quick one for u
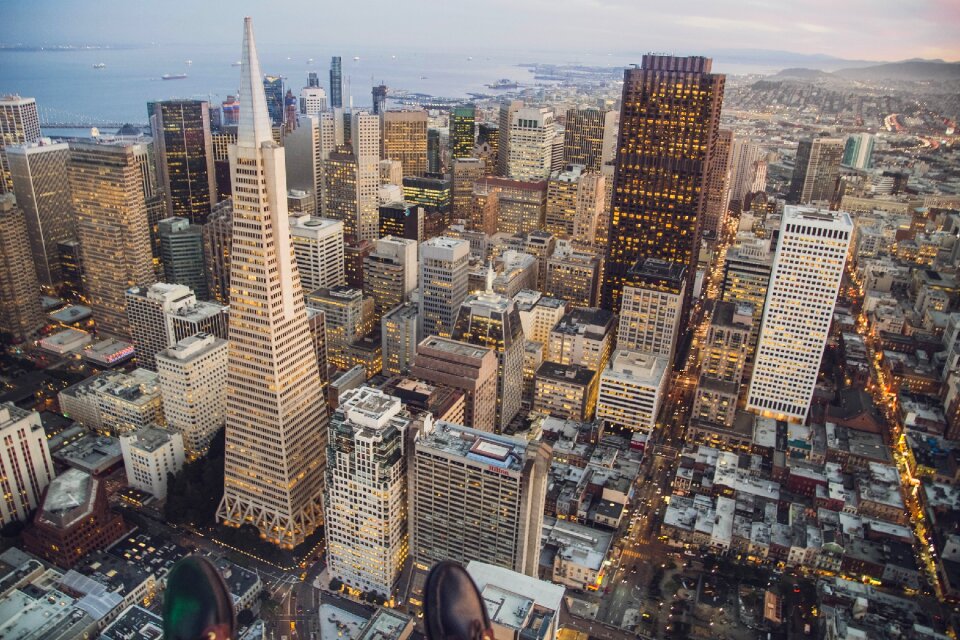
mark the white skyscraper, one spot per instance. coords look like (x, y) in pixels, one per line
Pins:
(652, 308)
(313, 100)
(318, 249)
(366, 494)
(631, 390)
(444, 277)
(807, 270)
(365, 136)
(193, 384)
(276, 417)
(748, 162)
(398, 330)
(19, 124)
(147, 309)
(27, 467)
(149, 455)
(531, 135)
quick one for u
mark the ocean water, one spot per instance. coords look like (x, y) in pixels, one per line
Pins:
(69, 89)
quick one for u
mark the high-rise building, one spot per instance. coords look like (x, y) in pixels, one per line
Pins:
(652, 307)
(147, 309)
(521, 204)
(573, 275)
(746, 277)
(404, 138)
(669, 119)
(336, 83)
(193, 383)
(184, 154)
(318, 250)
(488, 144)
(489, 319)
(341, 193)
(465, 172)
(583, 336)
(365, 136)
(150, 456)
(26, 462)
(195, 317)
(181, 253)
(632, 388)
(748, 171)
(816, 170)
(276, 417)
(718, 182)
(37, 170)
(379, 99)
(505, 119)
(724, 354)
(807, 270)
(313, 100)
(857, 151)
(590, 137)
(20, 311)
(217, 241)
(366, 491)
(402, 220)
(348, 318)
(433, 193)
(305, 156)
(19, 124)
(390, 273)
(495, 485)
(110, 200)
(539, 314)
(444, 273)
(462, 131)
(434, 151)
(399, 336)
(565, 391)
(561, 211)
(71, 268)
(470, 368)
(530, 154)
(273, 90)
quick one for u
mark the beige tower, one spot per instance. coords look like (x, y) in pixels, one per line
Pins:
(276, 420)
(404, 138)
(20, 313)
(108, 190)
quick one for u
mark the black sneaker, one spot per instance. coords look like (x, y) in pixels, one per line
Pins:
(452, 605)
(196, 603)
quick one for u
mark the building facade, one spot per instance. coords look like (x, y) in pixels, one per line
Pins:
(26, 461)
(20, 311)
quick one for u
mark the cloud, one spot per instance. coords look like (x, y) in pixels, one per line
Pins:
(727, 24)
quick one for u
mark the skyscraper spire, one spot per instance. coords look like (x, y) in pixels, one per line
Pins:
(255, 127)
(276, 419)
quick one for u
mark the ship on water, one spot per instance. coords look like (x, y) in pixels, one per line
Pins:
(503, 83)
(100, 65)
(173, 76)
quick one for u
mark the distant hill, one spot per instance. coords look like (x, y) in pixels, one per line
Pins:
(906, 70)
(803, 74)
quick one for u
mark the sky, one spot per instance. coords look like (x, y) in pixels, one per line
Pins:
(882, 30)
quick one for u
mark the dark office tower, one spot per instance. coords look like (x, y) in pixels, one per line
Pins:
(433, 151)
(184, 152)
(488, 133)
(313, 80)
(336, 83)
(379, 94)
(401, 220)
(273, 87)
(181, 252)
(815, 170)
(669, 121)
(71, 268)
(462, 122)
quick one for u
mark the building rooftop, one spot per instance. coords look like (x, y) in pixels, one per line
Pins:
(592, 322)
(92, 453)
(477, 446)
(454, 347)
(637, 367)
(148, 439)
(192, 347)
(70, 497)
(578, 543)
(36, 613)
(543, 593)
(199, 311)
(135, 623)
(386, 624)
(571, 373)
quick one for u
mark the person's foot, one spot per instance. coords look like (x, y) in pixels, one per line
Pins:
(196, 603)
(453, 607)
